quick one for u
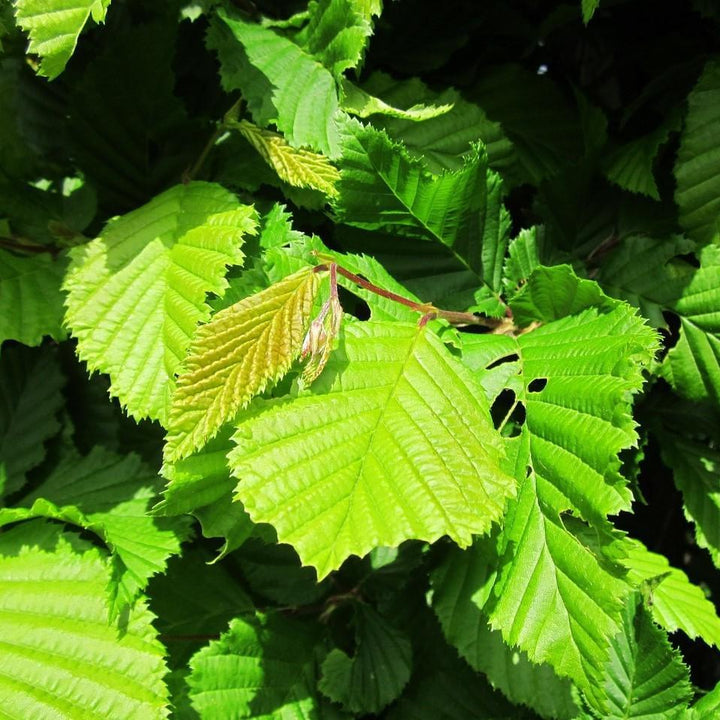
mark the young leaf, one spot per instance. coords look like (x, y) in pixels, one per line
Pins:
(381, 186)
(147, 276)
(235, 356)
(30, 297)
(376, 674)
(262, 667)
(676, 604)
(299, 168)
(30, 398)
(61, 657)
(54, 27)
(698, 184)
(394, 443)
(280, 82)
(707, 707)
(645, 676)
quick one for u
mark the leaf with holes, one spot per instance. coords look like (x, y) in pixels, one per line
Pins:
(394, 442)
(146, 277)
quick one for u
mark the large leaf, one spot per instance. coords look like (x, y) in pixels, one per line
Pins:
(30, 398)
(31, 304)
(394, 443)
(645, 676)
(376, 674)
(381, 186)
(281, 83)
(555, 597)
(60, 656)
(696, 170)
(109, 495)
(242, 350)
(147, 276)
(676, 603)
(261, 668)
(54, 27)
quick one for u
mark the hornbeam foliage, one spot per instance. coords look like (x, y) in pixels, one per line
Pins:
(359, 360)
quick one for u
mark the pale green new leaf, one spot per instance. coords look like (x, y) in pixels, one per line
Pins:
(299, 168)
(395, 442)
(31, 304)
(645, 676)
(696, 471)
(281, 83)
(235, 356)
(137, 292)
(696, 169)
(60, 657)
(381, 186)
(378, 670)
(108, 495)
(30, 398)
(461, 586)
(675, 603)
(261, 668)
(54, 27)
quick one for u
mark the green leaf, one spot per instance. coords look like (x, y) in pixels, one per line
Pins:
(31, 304)
(695, 467)
(147, 275)
(280, 82)
(555, 597)
(588, 9)
(299, 168)
(707, 707)
(394, 443)
(109, 495)
(461, 586)
(675, 603)
(261, 668)
(54, 27)
(441, 138)
(698, 183)
(61, 657)
(337, 33)
(381, 186)
(30, 398)
(235, 356)
(377, 672)
(645, 676)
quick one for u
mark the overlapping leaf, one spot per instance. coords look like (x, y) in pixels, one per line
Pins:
(555, 597)
(109, 495)
(54, 27)
(395, 442)
(645, 676)
(261, 668)
(698, 183)
(30, 398)
(146, 278)
(381, 186)
(60, 656)
(676, 603)
(235, 356)
(281, 83)
(31, 304)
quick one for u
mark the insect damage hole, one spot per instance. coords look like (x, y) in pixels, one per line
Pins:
(508, 414)
(537, 385)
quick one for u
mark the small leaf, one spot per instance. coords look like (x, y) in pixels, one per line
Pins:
(235, 356)
(299, 168)
(395, 442)
(54, 27)
(376, 673)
